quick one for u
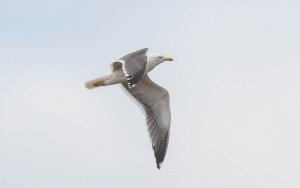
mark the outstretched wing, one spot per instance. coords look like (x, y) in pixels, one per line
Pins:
(133, 66)
(154, 100)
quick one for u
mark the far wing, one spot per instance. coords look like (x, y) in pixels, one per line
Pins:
(133, 66)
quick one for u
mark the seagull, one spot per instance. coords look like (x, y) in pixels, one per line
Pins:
(130, 72)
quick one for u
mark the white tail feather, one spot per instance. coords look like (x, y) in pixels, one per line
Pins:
(96, 82)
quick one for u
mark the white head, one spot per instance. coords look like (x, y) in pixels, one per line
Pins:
(155, 59)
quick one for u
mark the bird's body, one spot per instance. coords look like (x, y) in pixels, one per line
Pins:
(130, 72)
(117, 76)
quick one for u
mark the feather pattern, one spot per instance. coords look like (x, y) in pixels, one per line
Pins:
(154, 101)
(134, 66)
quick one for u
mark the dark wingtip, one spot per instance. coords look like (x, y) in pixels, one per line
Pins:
(158, 166)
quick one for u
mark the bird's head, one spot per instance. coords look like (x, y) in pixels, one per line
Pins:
(156, 59)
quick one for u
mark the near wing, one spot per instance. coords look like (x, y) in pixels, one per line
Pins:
(154, 101)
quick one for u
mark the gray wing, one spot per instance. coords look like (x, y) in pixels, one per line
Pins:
(134, 66)
(154, 100)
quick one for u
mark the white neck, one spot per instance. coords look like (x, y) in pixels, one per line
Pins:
(152, 62)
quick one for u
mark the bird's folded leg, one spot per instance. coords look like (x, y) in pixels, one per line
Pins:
(95, 83)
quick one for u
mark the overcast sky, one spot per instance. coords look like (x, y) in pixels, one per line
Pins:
(234, 89)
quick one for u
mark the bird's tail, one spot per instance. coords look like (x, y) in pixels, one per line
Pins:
(96, 82)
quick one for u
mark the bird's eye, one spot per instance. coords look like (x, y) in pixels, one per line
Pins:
(160, 57)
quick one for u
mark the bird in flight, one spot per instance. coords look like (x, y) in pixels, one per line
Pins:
(130, 72)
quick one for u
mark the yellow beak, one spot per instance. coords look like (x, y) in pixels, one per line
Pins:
(168, 59)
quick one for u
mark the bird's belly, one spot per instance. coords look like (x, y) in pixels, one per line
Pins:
(116, 77)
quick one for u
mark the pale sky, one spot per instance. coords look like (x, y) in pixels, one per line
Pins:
(234, 89)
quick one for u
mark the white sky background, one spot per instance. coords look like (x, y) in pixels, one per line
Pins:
(234, 88)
